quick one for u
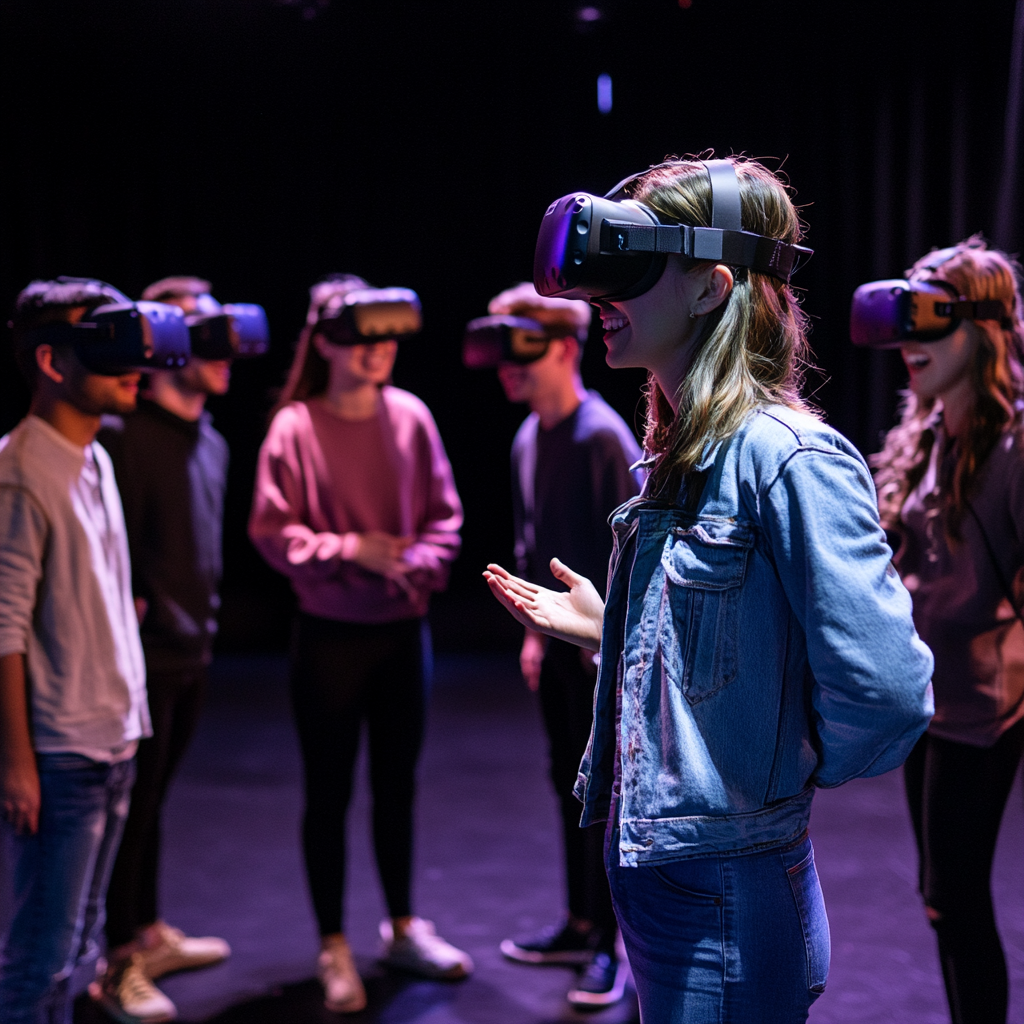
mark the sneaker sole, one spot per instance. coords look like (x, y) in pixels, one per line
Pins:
(574, 958)
(119, 1013)
(456, 973)
(578, 997)
(348, 1006)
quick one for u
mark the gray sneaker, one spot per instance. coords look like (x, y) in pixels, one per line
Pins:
(422, 951)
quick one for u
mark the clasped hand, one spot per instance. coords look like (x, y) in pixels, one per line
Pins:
(575, 615)
(382, 553)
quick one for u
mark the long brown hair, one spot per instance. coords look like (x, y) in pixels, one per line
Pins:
(309, 374)
(754, 346)
(976, 272)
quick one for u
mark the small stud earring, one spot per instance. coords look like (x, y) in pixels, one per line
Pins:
(693, 316)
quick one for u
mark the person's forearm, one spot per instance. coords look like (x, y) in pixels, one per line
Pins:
(15, 735)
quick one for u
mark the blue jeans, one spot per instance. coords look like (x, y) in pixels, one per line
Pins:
(727, 939)
(60, 880)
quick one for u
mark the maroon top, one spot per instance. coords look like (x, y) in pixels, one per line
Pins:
(961, 608)
(321, 481)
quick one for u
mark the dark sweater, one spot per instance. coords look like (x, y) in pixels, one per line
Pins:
(172, 475)
(581, 476)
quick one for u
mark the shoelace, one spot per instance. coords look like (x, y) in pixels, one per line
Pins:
(134, 983)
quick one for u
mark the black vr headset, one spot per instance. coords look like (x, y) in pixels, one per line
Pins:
(236, 331)
(616, 248)
(885, 314)
(491, 340)
(368, 315)
(117, 338)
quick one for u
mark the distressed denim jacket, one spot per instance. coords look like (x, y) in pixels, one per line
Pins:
(757, 643)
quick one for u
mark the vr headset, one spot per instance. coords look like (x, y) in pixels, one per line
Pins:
(236, 331)
(885, 314)
(368, 315)
(591, 247)
(491, 340)
(120, 337)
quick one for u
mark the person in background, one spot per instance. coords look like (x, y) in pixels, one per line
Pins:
(72, 675)
(356, 504)
(171, 467)
(950, 481)
(571, 462)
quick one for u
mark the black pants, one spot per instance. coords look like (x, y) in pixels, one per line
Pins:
(342, 675)
(957, 794)
(175, 700)
(567, 702)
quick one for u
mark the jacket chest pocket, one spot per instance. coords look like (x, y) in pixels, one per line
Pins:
(699, 620)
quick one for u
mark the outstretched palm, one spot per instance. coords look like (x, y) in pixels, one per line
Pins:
(574, 616)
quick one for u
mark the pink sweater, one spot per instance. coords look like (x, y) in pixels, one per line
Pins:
(322, 480)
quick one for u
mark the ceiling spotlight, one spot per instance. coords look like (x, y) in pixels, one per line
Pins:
(589, 14)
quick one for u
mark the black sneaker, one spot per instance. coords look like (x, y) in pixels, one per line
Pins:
(554, 945)
(602, 983)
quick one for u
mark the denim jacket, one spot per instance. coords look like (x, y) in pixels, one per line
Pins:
(757, 643)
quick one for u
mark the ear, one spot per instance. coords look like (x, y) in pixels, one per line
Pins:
(321, 344)
(570, 348)
(46, 363)
(717, 286)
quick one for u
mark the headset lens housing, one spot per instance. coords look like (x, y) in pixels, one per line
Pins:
(492, 340)
(373, 314)
(121, 337)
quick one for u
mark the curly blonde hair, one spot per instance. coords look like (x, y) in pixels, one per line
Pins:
(754, 347)
(977, 273)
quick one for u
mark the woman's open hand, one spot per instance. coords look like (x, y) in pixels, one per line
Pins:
(575, 616)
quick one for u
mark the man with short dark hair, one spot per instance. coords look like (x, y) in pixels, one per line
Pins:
(570, 468)
(171, 467)
(72, 677)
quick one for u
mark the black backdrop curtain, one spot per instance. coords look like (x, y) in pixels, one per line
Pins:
(263, 144)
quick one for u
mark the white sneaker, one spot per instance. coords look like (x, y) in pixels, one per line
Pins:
(177, 951)
(422, 951)
(127, 994)
(343, 988)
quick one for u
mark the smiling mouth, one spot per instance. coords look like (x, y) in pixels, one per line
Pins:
(612, 324)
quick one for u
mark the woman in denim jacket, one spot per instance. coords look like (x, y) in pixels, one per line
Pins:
(756, 641)
(951, 484)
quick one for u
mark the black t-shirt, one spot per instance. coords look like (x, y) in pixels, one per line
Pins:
(580, 476)
(172, 475)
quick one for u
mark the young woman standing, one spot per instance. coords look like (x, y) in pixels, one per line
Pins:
(951, 484)
(356, 504)
(755, 642)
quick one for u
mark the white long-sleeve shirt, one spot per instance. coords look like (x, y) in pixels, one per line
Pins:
(65, 594)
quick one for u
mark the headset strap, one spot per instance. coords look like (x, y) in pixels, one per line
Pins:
(725, 240)
(764, 255)
(725, 195)
(982, 309)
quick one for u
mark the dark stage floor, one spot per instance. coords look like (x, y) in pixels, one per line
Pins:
(488, 868)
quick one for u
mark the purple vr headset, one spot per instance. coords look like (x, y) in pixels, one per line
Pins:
(885, 314)
(117, 338)
(236, 331)
(367, 315)
(614, 247)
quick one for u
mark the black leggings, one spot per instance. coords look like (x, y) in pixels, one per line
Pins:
(957, 794)
(567, 701)
(342, 674)
(175, 700)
